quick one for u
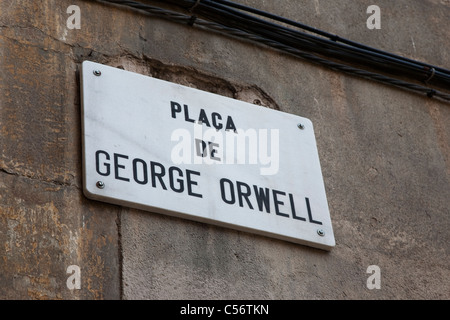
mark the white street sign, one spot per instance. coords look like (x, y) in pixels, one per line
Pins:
(171, 149)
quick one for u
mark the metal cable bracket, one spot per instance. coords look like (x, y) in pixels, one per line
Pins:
(433, 72)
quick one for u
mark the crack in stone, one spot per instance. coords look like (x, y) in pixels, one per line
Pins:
(50, 181)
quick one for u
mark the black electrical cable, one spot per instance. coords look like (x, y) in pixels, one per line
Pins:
(346, 51)
(268, 39)
(217, 12)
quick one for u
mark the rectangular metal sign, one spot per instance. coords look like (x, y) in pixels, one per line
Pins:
(167, 148)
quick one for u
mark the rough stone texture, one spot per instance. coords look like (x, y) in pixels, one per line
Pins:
(46, 224)
(384, 153)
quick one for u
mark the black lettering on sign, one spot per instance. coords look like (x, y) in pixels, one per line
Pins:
(200, 147)
(105, 165)
(262, 198)
(214, 118)
(230, 191)
(294, 215)
(230, 125)
(243, 194)
(144, 175)
(308, 207)
(180, 187)
(225, 199)
(277, 202)
(186, 114)
(203, 119)
(160, 176)
(162, 172)
(191, 182)
(175, 108)
(118, 166)
(212, 150)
